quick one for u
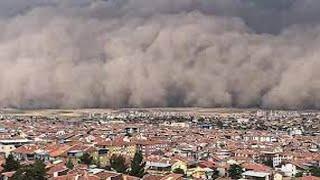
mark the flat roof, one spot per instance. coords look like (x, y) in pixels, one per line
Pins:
(255, 174)
(158, 164)
(15, 141)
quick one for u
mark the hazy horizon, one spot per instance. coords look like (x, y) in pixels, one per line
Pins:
(160, 53)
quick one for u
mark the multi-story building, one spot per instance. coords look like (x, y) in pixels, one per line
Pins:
(8, 145)
(150, 146)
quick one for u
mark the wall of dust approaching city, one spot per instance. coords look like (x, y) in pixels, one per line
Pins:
(159, 53)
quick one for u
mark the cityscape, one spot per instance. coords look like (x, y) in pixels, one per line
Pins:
(174, 143)
(159, 89)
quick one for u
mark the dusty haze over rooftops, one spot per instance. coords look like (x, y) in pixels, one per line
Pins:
(147, 53)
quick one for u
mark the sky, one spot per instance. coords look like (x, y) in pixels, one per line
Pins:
(160, 53)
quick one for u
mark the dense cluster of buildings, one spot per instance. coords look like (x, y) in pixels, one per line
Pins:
(265, 144)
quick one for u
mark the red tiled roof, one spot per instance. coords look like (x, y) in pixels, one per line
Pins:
(256, 167)
(127, 177)
(309, 178)
(105, 175)
(26, 149)
(8, 174)
(57, 168)
(57, 150)
(172, 177)
(152, 177)
(207, 164)
(66, 177)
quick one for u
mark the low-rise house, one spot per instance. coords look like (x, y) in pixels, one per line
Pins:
(256, 175)
(200, 173)
(7, 175)
(158, 167)
(256, 167)
(309, 178)
(57, 150)
(152, 177)
(77, 150)
(178, 164)
(56, 170)
(277, 176)
(173, 177)
(25, 152)
(108, 175)
(289, 169)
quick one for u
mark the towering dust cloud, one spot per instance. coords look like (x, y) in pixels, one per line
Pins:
(146, 53)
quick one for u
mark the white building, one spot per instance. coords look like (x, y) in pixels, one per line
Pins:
(289, 169)
(256, 175)
(8, 145)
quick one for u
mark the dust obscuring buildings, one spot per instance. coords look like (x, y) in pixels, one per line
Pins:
(143, 53)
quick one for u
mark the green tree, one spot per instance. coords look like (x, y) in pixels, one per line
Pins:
(268, 162)
(178, 171)
(215, 174)
(220, 124)
(137, 165)
(11, 164)
(201, 120)
(36, 171)
(299, 174)
(86, 159)
(118, 163)
(212, 174)
(235, 171)
(20, 174)
(315, 171)
(69, 164)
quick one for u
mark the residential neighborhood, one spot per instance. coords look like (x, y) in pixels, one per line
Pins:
(162, 145)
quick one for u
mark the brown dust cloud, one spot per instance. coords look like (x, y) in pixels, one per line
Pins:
(160, 53)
